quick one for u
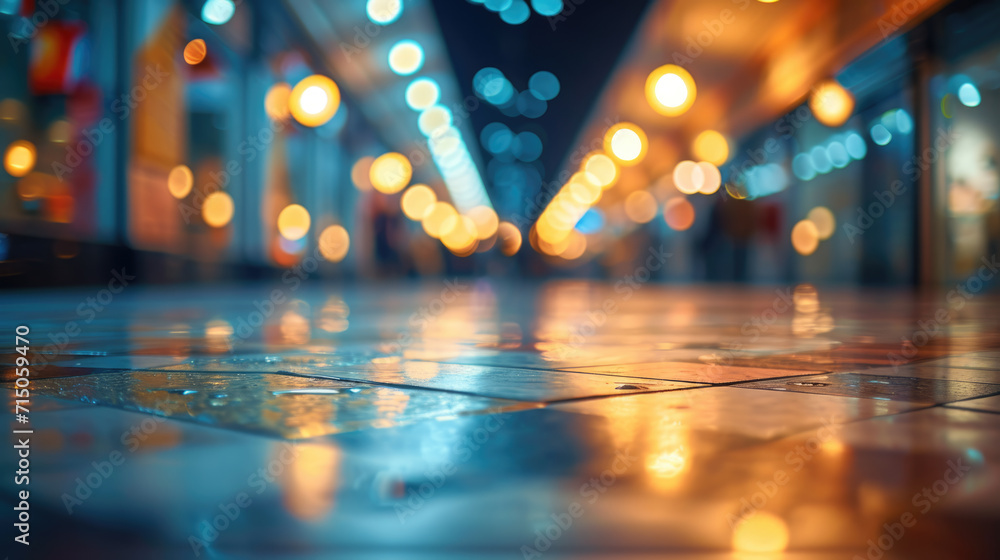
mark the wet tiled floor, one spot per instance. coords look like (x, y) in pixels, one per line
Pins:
(475, 419)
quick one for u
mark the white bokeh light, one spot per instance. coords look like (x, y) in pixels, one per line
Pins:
(314, 100)
(626, 144)
(384, 12)
(671, 90)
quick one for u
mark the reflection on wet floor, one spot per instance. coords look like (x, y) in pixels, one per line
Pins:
(497, 421)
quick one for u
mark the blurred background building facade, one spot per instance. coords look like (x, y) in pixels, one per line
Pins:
(847, 142)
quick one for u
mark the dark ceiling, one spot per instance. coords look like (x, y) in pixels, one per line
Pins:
(580, 46)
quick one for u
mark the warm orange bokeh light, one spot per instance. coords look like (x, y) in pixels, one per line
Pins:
(334, 243)
(711, 178)
(436, 217)
(458, 233)
(314, 100)
(20, 158)
(195, 51)
(35, 185)
(626, 143)
(180, 181)
(601, 167)
(417, 201)
(640, 207)
(678, 213)
(294, 222)
(760, 533)
(805, 237)
(831, 103)
(824, 221)
(688, 177)
(510, 238)
(712, 147)
(276, 101)
(312, 479)
(390, 173)
(583, 188)
(218, 209)
(670, 90)
(359, 173)
(575, 247)
(485, 220)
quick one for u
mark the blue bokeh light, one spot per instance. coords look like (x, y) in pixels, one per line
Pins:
(530, 106)
(969, 95)
(820, 160)
(880, 135)
(496, 138)
(490, 84)
(591, 222)
(544, 85)
(838, 155)
(497, 5)
(547, 7)
(856, 147)
(802, 167)
(218, 12)
(904, 123)
(527, 146)
(516, 14)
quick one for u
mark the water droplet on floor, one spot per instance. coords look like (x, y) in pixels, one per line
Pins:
(629, 387)
(182, 391)
(306, 392)
(807, 384)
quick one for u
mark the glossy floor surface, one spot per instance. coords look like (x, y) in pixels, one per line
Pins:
(470, 419)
